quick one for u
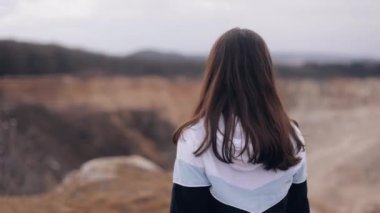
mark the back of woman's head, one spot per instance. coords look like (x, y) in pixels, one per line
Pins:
(239, 85)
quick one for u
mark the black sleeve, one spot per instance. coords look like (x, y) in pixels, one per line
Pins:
(297, 198)
(190, 199)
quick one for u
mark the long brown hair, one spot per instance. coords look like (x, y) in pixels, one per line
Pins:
(239, 85)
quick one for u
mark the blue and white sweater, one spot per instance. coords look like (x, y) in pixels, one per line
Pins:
(205, 184)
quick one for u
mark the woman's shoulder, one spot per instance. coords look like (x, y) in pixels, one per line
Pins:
(194, 131)
(192, 136)
(188, 142)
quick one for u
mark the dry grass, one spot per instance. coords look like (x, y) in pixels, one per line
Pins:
(174, 98)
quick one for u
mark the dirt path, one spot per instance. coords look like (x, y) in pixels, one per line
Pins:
(343, 153)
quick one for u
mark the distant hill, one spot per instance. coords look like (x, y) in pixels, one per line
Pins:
(153, 55)
(21, 58)
(305, 58)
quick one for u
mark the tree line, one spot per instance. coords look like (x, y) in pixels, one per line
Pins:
(21, 58)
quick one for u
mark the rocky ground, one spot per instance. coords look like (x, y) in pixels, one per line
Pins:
(125, 184)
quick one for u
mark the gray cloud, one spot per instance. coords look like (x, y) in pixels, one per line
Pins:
(122, 26)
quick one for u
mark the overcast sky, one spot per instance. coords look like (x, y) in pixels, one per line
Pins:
(348, 27)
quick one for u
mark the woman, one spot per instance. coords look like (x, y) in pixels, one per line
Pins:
(240, 152)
